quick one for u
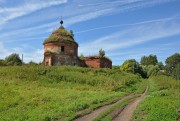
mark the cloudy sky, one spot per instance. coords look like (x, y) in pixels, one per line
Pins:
(125, 29)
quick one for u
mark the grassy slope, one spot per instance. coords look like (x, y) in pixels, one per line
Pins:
(162, 102)
(59, 93)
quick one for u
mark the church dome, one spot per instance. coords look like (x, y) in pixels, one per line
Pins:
(60, 35)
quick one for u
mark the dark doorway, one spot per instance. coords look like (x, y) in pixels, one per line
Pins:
(47, 63)
(62, 48)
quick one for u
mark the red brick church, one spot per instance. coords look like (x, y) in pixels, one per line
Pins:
(60, 48)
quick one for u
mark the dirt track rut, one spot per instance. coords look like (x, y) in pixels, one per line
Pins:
(127, 113)
(95, 113)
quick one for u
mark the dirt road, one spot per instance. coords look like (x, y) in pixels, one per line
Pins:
(95, 113)
(127, 113)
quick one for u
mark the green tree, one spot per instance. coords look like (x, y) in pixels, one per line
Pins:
(176, 72)
(2, 63)
(149, 60)
(160, 65)
(13, 60)
(72, 33)
(32, 63)
(81, 57)
(132, 66)
(101, 53)
(153, 70)
(172, 62)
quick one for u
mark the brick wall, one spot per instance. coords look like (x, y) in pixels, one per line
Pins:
(70, 48)
(96, 62)
(92, 62)
(59, 56)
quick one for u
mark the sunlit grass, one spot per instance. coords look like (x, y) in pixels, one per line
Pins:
(59, 93)
(162, 101)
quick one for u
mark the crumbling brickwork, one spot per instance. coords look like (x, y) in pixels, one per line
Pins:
(60, 53)
(97, 62)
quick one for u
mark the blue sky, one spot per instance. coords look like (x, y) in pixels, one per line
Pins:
(125, 29)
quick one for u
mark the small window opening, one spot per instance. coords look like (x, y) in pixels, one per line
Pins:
(47, 63)
(62, 48)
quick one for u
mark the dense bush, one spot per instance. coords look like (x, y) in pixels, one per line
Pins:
(149, 60)
(132, 66)
(2, 63)
(165, 82)
(13, 60)
(171, 63)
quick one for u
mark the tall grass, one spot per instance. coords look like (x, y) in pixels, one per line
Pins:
(106, 78)
(162, 102)
(59, 93)
(165, 82)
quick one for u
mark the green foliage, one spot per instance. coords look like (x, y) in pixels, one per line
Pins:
(72, 33)
(149, 60)
(151, 70)
(129, 66)
(13, 60)
(171, 63)
(116, 68)
(58, 93)
(101, 53)
(165, 82)
(31, 63)
(2, 63)
(162, 101)
(132, 66)
(81, 57)
(160, 65)
(176, 72)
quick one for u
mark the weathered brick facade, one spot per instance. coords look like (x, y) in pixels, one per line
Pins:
(60, 53)
(97, 62)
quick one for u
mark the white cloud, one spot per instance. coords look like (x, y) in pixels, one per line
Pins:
(36, 56)
(133, 24)
(12, 13)
(87, 16)
(132, 36)
(80, 14)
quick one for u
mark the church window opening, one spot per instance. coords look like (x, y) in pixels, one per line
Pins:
(62, 48)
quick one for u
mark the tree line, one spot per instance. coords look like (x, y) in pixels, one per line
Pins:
(149, 66)
(15, 60)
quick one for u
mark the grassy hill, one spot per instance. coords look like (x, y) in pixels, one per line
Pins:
(59, 93)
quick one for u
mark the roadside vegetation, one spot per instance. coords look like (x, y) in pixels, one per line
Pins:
(114, 110)
(162, 102)
(59, 93)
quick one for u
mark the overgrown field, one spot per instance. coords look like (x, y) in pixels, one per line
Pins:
(59, 93)
(162, 102)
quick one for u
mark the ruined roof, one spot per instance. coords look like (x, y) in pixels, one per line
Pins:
(60, 35)
(97, 57)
